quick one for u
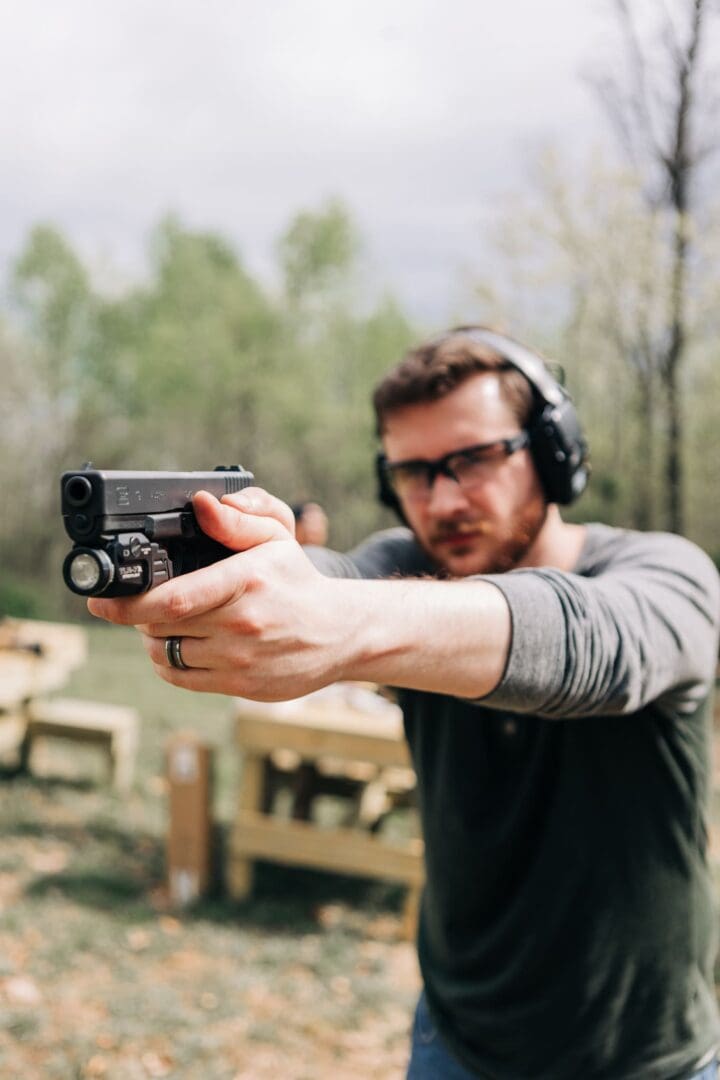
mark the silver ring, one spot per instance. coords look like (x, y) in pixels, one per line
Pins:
(173, 654)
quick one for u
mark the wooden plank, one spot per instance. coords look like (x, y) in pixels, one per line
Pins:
(65, 642)
(12, 732)
(240, 870)
(189, 772)
(411, 913)
(24, 673)
(330, 711)
(115, 727)
(73, 714)
(340, 850)
(262, 735)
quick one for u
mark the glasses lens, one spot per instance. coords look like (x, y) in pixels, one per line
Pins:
(473, 466)
(410, 480)
(476, 464)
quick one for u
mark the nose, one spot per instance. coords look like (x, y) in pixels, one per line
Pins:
(446, 497)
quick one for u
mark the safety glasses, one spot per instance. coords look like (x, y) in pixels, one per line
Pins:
(473, 465)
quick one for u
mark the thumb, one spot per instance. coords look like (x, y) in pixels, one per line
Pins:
(255, 500)
(234, 528)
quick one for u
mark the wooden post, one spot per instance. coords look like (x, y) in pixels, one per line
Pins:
(252, 791)
(189, 841)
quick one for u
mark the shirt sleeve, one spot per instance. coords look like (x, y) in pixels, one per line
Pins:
(642, 628)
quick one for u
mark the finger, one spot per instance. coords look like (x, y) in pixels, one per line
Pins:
(179, 601)
(193, 679)
(193, 652)
(256, 500)
(236, 529)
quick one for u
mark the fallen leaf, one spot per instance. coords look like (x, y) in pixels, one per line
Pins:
(169, 925)
(96, 1066)
(22, 990)
(49, 862)
(155, 1065)
(138, 939)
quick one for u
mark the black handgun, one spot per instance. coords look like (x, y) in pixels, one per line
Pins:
(134, 530)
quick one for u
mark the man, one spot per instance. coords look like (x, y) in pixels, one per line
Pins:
(555, 682)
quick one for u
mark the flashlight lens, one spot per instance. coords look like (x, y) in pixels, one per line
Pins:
(85, 572)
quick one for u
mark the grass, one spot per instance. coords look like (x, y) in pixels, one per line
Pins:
(99, 978)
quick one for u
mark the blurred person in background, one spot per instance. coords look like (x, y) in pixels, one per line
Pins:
(311, 523)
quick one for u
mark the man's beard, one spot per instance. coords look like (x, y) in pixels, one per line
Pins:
(498, 552)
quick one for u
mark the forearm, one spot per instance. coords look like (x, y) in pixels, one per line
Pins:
(267, 625)
(439, 636)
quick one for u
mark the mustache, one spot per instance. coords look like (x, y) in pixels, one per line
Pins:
(461, 527)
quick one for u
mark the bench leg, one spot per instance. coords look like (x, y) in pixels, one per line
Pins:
(240, 869)
(24, 751)
(122, 758)
(411, 912)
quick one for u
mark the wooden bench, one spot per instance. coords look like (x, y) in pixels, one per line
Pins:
(112, 727)
(36, 658)
(344, 743)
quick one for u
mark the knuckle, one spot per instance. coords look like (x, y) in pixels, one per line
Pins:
(250, 624)
(155, 649)
(177, 606)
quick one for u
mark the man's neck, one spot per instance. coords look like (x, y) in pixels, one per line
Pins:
(558, 543)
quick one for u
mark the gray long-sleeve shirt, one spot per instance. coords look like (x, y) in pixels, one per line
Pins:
(568, 923)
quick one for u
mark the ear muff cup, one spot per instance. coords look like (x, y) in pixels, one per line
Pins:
(560, 452)
(385, 493)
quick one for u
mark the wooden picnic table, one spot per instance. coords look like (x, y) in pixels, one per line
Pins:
(36, 658)
(344, 735)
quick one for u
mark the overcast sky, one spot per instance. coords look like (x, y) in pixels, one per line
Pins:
(418, 113)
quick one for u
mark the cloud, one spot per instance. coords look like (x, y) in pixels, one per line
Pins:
(237, 115)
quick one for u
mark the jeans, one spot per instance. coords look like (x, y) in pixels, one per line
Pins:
(430, 1059)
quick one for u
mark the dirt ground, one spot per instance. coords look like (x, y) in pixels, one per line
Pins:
(99, 977)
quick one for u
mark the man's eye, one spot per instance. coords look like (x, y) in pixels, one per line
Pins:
(410, 474)
(476, 457)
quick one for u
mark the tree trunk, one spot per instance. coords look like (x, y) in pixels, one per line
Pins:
(644, 507)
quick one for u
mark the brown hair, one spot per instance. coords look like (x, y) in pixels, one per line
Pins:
(432, 370)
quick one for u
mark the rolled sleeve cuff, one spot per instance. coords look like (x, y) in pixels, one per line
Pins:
(535, 666)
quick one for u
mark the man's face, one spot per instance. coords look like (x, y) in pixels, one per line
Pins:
(487, 527)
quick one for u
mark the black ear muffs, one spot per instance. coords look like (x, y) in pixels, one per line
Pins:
(560, 452)
(385, 493)
(557, 443)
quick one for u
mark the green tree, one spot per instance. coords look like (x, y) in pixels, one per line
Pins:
(198, 365)
(339, 345)
(581, 265)
(193, 341)
(660, 116)
(317, 252)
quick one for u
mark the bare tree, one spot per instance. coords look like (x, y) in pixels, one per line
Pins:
(657, 111)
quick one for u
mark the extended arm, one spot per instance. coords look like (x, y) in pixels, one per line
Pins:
(266, 624)
(639, 627)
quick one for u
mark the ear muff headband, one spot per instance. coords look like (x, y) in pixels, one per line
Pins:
(557, 443)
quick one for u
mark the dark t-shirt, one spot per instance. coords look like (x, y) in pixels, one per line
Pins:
(568, 922)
